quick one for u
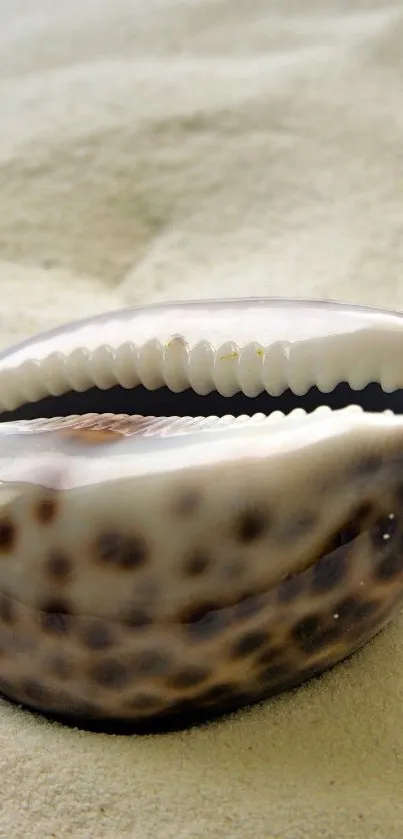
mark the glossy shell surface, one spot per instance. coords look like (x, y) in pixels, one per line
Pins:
(163, 567)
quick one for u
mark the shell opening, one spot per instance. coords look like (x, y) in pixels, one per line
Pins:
(163, 402)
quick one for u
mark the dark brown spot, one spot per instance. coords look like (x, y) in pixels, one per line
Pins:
(383, 531)
(327, 638)
(125, 552)
(249, 643)
(7, 609)
(350, 612)
(34, 691)
(7, 535)
(251, 525)
(188, 677)
(150, 663)
(110, 673)
(46, 510)
(197, 564)
(366, 610)
(188, 502)
(58, 567)
(60, 667)
(270, 656)
(329, 571)
(56, 617)
(204, 620)
(97, 636)
(389, 567)
(137, 618)
(307, 632)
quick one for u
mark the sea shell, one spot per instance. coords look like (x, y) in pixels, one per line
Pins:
(163, 568)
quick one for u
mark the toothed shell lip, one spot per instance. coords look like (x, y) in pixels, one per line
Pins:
(242, 346)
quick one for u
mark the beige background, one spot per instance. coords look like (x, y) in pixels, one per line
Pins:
(161, 149)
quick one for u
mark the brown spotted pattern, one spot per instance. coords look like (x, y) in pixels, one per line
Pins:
(211, 657)
(121, 552)
(46, 509)
(58, 567)
(235, 644)
(7, 535)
